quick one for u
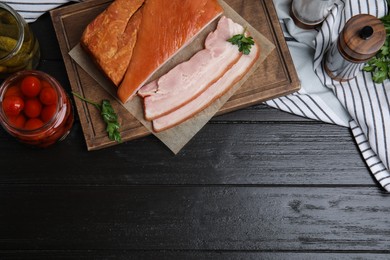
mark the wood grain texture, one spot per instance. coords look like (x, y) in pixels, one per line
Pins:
(275, 77)
(233, 153)
(194, 218)
(188, 255)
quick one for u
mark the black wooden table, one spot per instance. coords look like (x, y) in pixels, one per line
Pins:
(254, 184)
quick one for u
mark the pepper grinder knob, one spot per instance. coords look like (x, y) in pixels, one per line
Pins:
(366, 32)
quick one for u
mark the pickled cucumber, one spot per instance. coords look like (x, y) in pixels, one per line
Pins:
(16, 55)
(8, 30)
(7, 44)
(3, 54)
(6, 17)
(18, 60)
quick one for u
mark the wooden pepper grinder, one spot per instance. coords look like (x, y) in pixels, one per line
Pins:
(362, 37)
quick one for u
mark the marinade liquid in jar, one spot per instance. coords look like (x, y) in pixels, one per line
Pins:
(19, 49)
(35, 109)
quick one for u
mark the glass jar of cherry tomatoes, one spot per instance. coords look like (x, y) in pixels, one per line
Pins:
(35, 109)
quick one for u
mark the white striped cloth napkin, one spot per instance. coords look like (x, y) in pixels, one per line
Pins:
(358, 103)
(30, 10)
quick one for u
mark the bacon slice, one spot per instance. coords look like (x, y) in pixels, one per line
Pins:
(214, 92)
(166, 27)
(111, 37)
(189, 79)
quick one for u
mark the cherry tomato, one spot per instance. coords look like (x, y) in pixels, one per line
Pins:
(45, 84)
(13, 91)
(32, 108)
(30, 86)
(33, 123)
(13, 105)
(18, 121)
(48, 112)
(48, 96)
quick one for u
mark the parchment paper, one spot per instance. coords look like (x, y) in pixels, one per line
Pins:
(177, 137)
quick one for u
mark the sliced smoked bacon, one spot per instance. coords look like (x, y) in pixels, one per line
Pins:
(189, 79)
(166, 27)
(111, 37)
(215, 91)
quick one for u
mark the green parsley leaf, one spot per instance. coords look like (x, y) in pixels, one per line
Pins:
(244, 43)
(379, 65)
(109, 117)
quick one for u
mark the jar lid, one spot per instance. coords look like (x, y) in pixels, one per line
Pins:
(362, 37)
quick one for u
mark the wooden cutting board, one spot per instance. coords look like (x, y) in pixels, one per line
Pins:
(275, 77)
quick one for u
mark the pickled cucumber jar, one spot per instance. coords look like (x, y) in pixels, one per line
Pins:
(19, 49)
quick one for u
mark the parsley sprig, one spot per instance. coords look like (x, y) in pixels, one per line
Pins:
(379, 65)
(244, 43)
(109, 117)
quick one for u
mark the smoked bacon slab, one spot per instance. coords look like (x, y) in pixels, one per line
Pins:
(189, 79)
(111, 37)
(215, 91)
(166, 27)
(192, 85)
